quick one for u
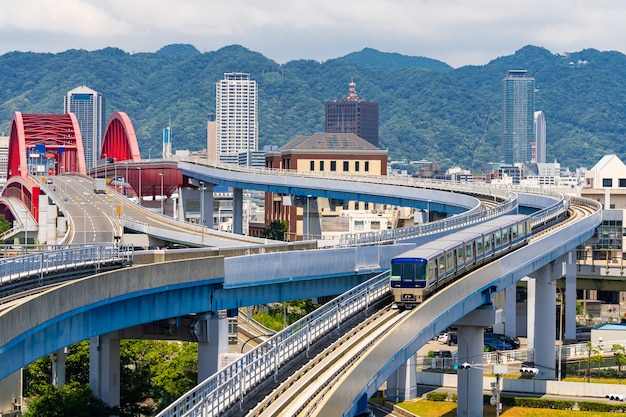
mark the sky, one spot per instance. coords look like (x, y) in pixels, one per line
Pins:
(457, 32)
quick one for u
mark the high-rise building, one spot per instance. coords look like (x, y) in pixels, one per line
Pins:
(236, 118)
(353, 115)
(88, 106)
(540, 137)
(518, 112)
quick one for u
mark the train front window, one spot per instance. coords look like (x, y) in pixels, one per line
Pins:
(407, 273)
(396, 272)
(420, 275)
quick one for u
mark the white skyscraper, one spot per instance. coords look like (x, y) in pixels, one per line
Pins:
(88, 106)
(236, 116)
(540, 137)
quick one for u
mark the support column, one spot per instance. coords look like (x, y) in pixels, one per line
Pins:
(211, 330)
(237, 211)
(402, 384)
(530, 312)
(58, 367)
(570, 297)
(545, 327)
(104, 368)
(470, 335)
(470, 381)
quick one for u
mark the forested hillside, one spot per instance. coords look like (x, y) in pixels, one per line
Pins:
(428, 110)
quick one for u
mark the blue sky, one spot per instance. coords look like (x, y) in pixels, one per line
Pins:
(458, 32)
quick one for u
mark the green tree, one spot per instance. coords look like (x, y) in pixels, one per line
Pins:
(594, 355)
(276, 230)
(619, 352)
(72, 399)
(4, 224)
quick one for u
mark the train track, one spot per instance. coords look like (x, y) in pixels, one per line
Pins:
(298, 395)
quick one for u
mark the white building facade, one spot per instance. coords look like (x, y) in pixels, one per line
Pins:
(88, 106)
(236, 116)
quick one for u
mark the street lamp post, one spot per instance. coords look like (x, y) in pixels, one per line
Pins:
(161, 175)
(139, 194)
(308, 224)
(106, 166)
(26, 227)
(202, 188)
(126, 178)
(84, 222)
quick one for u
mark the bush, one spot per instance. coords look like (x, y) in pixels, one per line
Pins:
(437, 396)
(601, 407)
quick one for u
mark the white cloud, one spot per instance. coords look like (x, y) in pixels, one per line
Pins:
(458, 32)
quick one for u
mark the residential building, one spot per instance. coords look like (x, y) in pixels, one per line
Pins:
(88, 106)
(518, 111)
(236, 118)
(332, 153)
(353, 115)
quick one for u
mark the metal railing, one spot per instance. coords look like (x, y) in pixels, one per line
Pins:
(228, 386)
(38, 265)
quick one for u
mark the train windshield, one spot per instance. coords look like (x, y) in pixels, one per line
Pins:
(408, 273)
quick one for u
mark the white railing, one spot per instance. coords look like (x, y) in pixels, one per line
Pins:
(38, 265)
(229, 386)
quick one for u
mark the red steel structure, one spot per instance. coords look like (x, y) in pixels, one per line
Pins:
(45, 144)
(120, 141)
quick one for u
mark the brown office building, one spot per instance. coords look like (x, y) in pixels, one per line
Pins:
(353, 115)
(341, 153)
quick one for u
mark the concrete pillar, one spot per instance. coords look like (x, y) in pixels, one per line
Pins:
(104, 368)
(211, 331)
(237, 211)
(58, 367)
(470, 334)
(545, 327)
(470, 381)
(530, 312)
(402, 385)
(570, 297)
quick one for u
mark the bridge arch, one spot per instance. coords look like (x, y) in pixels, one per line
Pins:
(120, 141)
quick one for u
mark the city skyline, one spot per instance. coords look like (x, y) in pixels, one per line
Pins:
(456, 32)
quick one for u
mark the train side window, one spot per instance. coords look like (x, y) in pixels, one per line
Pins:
(498, 239)
(505, 236)
(479, 247)
(460, 256)
(432, 270)
(468, 252)
(442, 265)
(514, 232)
(487, 244)
(449, 260)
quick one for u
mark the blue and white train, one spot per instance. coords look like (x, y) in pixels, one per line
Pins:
(423, 270)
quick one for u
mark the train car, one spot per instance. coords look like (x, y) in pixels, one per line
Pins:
(423, 270)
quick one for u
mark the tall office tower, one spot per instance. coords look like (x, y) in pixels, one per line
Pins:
(353, 115)
(540, 137)
(88, 106)
(518, 111)
(236, 108)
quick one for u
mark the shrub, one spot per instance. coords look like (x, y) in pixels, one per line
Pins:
(437, 396)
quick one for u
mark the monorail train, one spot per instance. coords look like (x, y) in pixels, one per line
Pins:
(423, 270)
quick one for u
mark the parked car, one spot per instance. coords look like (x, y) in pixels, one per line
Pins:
(443, 338)
(503, 340)
(583, 333)
(442, 354)
(452, 339)
(492, 345)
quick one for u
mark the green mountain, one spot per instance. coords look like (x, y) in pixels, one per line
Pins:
(428, 110)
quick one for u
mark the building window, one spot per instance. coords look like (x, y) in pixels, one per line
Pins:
(356, 166)
(333, 165)
(622, 182)
(367, 166)
(346, 166)
(321, 165)
(359, 225)
(312, 166)
(375, 225)
(607, 182)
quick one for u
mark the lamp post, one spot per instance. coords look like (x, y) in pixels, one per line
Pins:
(202, 188)
(106, 166)
(115, 172)
(308, 225)
(161, 175)
(84, 221)
(126, 178)
(139, 194)
(26, 227)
